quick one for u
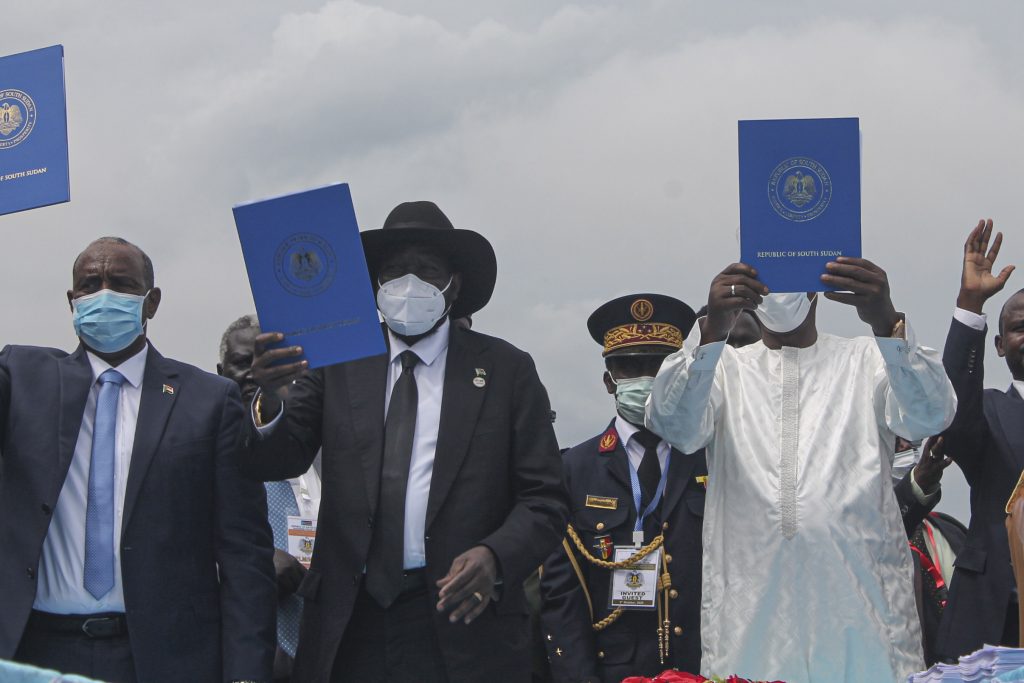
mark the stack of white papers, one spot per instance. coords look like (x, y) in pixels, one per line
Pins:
(990, 663)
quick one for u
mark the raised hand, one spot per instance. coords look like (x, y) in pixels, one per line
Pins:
(273, 380)
(977, 283)
(733, 290)
(928, 471)
(865, 286)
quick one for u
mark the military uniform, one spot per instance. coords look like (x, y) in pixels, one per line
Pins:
(586, 640)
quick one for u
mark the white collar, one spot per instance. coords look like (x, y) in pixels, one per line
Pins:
(132, 369)
(626, 429)
(427, 349)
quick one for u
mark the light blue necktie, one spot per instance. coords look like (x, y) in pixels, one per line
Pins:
(98, 577)
(280, 504)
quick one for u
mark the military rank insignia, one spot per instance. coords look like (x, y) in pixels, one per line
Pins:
(604, 546)
(609, 440)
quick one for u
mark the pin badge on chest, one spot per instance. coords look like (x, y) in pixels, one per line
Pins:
(480, 380)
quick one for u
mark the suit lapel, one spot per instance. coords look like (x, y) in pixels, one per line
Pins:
(615, 458)
(160, 389)
(1010, 428)
(460, 407)
(367, 380)
(75, 382)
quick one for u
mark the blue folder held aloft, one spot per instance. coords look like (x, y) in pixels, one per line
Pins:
(799, 198)
(33, 130)
(308, 274)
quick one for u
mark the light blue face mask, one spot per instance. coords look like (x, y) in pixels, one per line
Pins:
(631, 398)
(108, 321)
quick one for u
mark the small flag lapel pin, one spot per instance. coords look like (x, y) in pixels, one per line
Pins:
(168, 389)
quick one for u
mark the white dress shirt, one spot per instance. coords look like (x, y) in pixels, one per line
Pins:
(61, 564)
(634, 449)
(429, 373)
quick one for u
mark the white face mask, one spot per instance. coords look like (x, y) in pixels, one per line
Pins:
(782, 313)
(903, 462)
(411, 306)
(631, 397)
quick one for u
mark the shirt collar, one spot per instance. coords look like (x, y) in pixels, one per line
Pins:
(132, 369)
(427, 349)
(627, 430)
(1019, 386)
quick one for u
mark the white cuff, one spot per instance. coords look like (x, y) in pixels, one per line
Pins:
(705, 357)
(263, 430)
(971, 319)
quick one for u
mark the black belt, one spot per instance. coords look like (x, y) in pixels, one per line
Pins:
(109, 625)
(413, 580)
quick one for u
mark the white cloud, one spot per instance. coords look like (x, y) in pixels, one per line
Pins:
(593, 143)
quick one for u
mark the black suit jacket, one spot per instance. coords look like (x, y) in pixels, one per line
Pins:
(986, 440)
(496, 481)
(196, 550)
(628, 646)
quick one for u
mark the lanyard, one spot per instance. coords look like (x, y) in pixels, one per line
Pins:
(634, 481)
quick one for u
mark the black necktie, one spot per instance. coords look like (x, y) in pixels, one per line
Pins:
(384, 562)
(649, 471)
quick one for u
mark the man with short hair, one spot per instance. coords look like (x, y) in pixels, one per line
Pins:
(807, 575)
(986, 440)
(441, 477)
(295, 497)
(587, 638)
(133, 549)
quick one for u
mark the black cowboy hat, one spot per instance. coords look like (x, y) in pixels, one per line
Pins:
(468, 252)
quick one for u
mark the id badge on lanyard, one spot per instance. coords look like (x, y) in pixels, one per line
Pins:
(636, 587)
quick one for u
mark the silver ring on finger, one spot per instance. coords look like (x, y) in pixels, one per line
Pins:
(479, 596)
(732, 290)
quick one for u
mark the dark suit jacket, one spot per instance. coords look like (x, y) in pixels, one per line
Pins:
(629, 646)
(986, 440)
(496, 481)
(196, 551)
(912, 511)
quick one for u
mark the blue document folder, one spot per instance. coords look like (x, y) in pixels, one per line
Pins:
(308, 274)
(799, 198)
(33, 130)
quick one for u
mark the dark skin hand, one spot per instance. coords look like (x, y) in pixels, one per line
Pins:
(733, 290)
(474, 571)
(977, 283)
(120, 268)
(289, 573)
(928, 471)
(866, 287)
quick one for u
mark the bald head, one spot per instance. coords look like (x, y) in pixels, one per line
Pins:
(1013, 303)
(107, 243)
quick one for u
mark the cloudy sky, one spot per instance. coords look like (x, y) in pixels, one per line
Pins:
(593, 143)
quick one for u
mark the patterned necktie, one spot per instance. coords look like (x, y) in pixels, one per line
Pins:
(385, 560)
(280, 504)
(98, 575)
(649, 471)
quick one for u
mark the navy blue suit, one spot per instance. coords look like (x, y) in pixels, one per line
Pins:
(196, 551)
(986, 440)
(629, 646)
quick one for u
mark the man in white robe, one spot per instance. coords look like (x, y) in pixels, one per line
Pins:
(807, 575)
